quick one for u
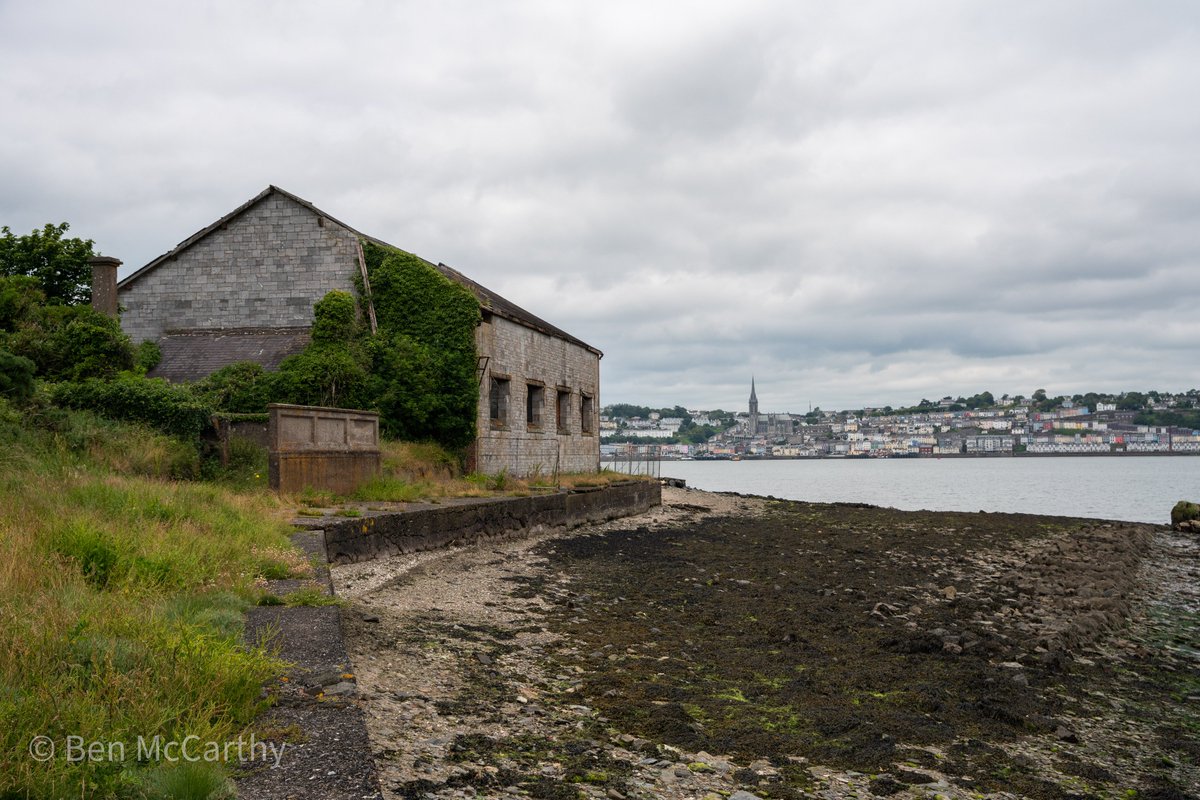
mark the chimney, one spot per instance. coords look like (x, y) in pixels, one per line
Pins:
(104, 284)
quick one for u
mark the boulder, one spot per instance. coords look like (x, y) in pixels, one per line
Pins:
(1183, 513)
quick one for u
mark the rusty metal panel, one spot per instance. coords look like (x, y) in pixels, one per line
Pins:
(331, 449)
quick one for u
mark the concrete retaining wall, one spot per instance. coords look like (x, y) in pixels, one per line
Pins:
(427, 529)
(326, 448)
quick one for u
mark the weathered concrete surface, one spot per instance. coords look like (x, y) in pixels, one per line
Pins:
(326, 448)
(365, 538)
(314, 718)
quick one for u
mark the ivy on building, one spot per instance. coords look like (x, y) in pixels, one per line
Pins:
(418, 370)
(425, 379)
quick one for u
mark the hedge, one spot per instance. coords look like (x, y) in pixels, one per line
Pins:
(153, 401)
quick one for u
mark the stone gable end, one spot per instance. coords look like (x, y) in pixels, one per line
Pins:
(264, 269)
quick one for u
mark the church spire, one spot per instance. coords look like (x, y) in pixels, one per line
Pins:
(753, 399)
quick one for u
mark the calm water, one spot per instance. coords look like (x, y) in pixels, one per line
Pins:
(1139, 489)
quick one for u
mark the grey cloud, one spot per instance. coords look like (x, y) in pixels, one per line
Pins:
(860, 203)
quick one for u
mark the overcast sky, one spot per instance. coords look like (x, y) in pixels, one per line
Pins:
(859, 203)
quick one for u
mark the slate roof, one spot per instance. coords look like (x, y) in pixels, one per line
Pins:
(491, 301)
(509, 310)
(195, 354)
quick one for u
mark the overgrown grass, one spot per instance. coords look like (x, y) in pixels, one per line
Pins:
(415, 471)
(122, 595)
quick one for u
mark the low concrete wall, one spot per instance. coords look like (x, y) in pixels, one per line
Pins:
(258, 433)
(326, 448)
(366, 538)
(223, 432)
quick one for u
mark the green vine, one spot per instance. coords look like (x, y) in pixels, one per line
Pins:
(418, 371)
(423, 375)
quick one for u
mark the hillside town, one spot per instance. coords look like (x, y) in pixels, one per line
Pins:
(1129, 423)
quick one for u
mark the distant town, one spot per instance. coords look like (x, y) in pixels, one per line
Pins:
(981, 425)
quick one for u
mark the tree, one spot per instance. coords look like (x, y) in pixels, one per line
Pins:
(981, 400)
(72, 343)
(20, 300)
(59, 264)
(1039, 396)
(627, 410)
(63, 342)
(1132, 401)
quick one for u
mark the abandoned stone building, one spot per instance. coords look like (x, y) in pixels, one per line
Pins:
(243, 289)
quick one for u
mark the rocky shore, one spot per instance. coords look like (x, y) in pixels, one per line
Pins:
(725, 646)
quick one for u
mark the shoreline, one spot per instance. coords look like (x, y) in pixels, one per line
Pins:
(517, 669)
(610, 460)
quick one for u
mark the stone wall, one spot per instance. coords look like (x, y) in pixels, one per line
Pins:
(522, 355)
(371, 537)
(265, 269)
(326, 448)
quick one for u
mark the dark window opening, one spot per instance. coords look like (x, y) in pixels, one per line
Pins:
(563, 411)
(499, 401)
(586, 411)
(534, 399)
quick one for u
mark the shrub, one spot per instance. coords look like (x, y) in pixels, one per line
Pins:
(241, 388)
(171, 409)
(16, 376)
(73, 343)
(335, 318)
(146, 356)
(404, 384)
(323, 375)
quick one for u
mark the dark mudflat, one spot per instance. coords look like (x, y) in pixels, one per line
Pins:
(867, 639)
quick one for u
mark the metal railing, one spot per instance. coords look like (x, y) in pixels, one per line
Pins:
(637, 459)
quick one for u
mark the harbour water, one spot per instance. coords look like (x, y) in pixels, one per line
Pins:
(1137, 489)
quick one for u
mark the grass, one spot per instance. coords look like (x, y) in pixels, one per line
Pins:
(423, 471)
(123, 586)
(122, 593)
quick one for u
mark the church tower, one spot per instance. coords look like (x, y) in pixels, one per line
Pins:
(753, 422)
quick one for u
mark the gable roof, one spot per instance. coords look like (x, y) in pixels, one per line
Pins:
(489, 300)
